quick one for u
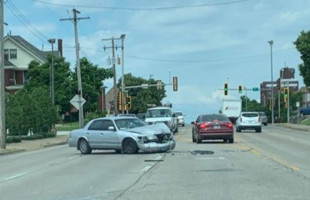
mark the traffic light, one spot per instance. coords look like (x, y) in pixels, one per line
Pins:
(175, 83)
(120, 100)
(286, 91)
(240, 88)
(225, 89)
(128, 102)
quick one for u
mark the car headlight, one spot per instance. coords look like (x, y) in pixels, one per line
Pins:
(149, 138)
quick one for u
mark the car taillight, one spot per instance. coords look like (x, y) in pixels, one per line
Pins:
(204, 125)
(230, 125)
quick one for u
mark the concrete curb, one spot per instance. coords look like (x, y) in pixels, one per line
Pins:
(295, 127)
(8, 152)
(54, 144)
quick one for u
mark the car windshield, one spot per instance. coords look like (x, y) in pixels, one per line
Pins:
(249, 115)
(158, 113)
(211, 118)
(129, 123)
(178, 114)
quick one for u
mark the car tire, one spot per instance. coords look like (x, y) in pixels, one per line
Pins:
(183, 125)
(259, 130)
(118, 150)
(84, 147)
(231, 140)
(130, 146)
(193, 138)
(225, 140)
(198, 141)
(238, 129)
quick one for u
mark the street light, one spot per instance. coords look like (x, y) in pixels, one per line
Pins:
(272, 111)
(52, 42)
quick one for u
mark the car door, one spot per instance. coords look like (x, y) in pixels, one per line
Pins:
(95, 134)
(110, 138)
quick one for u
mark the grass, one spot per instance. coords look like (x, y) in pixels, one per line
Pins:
(67, 126)
(305, 121)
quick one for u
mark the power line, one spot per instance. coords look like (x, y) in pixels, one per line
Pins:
(225, 3)
(20, 17)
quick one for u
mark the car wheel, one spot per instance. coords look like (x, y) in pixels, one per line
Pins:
(231, 140)
(198, 141)
(225, 140)
(130, 146)
(118, 151)
(183, 125)
(238, 129)
(84, 147)
(193, 139)
(177, 130)
(259, 130)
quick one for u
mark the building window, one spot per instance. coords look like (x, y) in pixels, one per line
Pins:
(13, 53)
(6, 54)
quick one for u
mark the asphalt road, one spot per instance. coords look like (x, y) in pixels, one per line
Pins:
(274, 164)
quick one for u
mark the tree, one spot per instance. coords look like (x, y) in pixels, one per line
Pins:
(39, 75)
(142, 97)
(303, 46)
(92, 79)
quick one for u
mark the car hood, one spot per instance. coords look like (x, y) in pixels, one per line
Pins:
(151, 129)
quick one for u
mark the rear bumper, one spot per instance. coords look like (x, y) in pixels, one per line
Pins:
(250, 127)
(215, 136)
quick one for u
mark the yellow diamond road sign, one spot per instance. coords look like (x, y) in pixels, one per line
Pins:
(75, 101)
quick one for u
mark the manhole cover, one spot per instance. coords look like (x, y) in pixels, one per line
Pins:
(201, 152)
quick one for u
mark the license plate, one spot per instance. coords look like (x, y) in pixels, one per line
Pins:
(216, 127)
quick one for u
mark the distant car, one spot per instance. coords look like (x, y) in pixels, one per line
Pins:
(305, 111)
(122, 134)
(249, 120)
(212, 127)
(263, 118)
(162, 115)
(180, 118)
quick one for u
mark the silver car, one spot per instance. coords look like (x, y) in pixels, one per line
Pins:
(122, 134)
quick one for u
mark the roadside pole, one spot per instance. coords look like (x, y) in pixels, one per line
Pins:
(2, 89)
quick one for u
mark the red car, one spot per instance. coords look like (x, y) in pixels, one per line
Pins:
(212, 127)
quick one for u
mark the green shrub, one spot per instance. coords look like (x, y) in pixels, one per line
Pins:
(31, 137)
(50, 135)
(38, 136)
(13, 140)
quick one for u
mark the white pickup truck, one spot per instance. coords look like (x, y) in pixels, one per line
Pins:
(164, 115)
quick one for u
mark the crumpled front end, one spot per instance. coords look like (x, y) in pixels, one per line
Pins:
(156, 143)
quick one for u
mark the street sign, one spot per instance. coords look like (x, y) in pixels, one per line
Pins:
(76, 100)
(144, 85)
(255, 89)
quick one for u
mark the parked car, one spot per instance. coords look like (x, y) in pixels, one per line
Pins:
(263, 118)
(305, 111)
(162, 115)
(180, 118)
(212, 127)
(122, 134)
(249, 120)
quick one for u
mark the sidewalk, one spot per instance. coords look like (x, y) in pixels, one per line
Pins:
(32, 145)
(294, 126)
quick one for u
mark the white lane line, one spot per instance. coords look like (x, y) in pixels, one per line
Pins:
(211, 158)
(146, 168)
(13, 177)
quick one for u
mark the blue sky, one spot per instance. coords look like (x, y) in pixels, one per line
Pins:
(203, 42)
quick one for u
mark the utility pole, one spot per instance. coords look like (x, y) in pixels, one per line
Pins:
(272, 99)
(123, 84)
(2, 90)
(52, 41)
(113, 47)
(78, 69)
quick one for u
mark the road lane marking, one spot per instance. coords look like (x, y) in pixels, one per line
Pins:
(146, 168)
(271, 157)
(211, 158)
(13, 177)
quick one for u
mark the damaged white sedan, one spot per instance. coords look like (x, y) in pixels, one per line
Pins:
(122, 134)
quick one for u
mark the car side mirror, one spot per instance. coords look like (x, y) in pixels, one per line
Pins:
(111, 128)
(193, 123)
